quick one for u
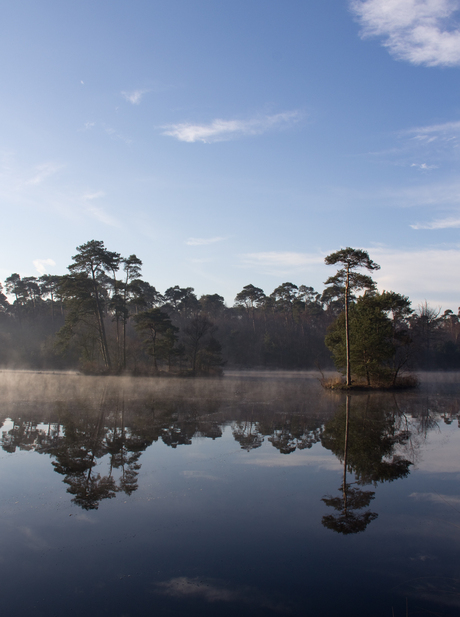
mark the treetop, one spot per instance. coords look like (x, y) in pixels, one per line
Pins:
(351, 258)
(93, 258)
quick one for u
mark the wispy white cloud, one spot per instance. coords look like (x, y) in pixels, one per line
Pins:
(40, 264)
(320, 461)
(436, 498)
(203, 241)
(423, 274)
(116, 135)
(201, 261)
(24, 187)
(429, 273)
(419, 31)
(184, 586)
(446, 223)
(214, 590)
(32, 539)
(91, 196)
(98, 212)
(425, 148)
(435, 142)
(449, 129)
(200, 475)
(280, 262)
(108, 130)
(102, 216)
(135, 96)
(424, 166)
(433, 137)
(222, 130)
(438, 194)
(445, 195)
(42, 172)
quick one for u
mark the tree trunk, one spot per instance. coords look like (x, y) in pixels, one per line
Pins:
(124, 343)
(347, 328)
(345, 452)
(105, 349)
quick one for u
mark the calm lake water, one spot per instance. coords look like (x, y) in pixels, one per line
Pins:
(132, 497)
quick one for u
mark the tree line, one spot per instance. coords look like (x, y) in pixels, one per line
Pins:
(102, 317)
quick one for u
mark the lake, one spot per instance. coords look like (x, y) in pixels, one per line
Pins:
(253, 494)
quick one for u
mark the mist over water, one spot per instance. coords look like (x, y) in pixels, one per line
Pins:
(255, 493)
(295, 388)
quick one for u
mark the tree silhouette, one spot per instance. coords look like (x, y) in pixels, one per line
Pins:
(347, 278)
(160, 333)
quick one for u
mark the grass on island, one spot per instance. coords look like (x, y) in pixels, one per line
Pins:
(403, 382)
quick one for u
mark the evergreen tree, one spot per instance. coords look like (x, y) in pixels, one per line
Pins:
(159, 331)
(348, 279)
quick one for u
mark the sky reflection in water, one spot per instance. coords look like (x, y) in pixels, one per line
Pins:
(140, 497)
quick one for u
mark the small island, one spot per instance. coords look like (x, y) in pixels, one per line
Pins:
(369, 340)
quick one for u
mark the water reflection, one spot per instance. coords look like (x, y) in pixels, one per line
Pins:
(87, 438)
(376, 438)
(186, 497)
(365, 439)
(80, 436)
(113, 430)
(349, 520)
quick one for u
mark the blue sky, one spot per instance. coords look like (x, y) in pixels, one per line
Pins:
(228, 143)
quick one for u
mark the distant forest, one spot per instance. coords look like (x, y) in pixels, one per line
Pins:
(102, 317)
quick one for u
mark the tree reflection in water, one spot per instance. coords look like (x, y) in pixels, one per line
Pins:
(374, 437)
(349, 520)
(365, 441)
(87, 438)
(79, 436)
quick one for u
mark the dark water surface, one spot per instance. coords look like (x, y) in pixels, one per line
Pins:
(227, 497)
